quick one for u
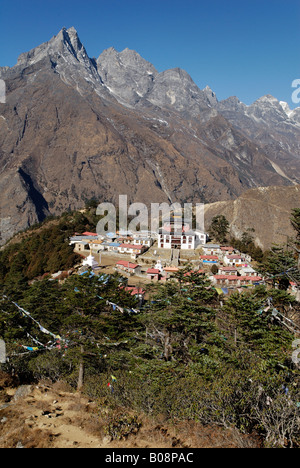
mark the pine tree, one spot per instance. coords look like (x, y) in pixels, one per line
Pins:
(181, 314)
(250, 326)
(219, 228)
(277, 264)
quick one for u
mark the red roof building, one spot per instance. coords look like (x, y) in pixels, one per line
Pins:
(131, 247)
(90, 234)
(153, 274)
(123, 263)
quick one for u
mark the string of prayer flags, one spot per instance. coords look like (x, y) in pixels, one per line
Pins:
(25, 313)
(119, 308)
(42, 329)
(34, 340)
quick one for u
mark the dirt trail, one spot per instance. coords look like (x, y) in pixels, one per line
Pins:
(45, 416)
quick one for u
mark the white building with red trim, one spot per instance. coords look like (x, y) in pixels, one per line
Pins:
(178, 234)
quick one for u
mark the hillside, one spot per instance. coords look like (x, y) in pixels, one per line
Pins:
(53, 416)
(265, 209)
(186, 360)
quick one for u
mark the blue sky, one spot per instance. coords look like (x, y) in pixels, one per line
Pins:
(246, 48)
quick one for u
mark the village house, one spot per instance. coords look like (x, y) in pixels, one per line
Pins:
(211, 249)
(143, 238)
(81, 240)
(125, 240)
(138, 238)
(86, 241)
(209, 259)
(95, 245)
(103, 247)
(226, 280)
(81, 246)
(90, 234)
(228, 270)
(113, 246)
(233, 260)
(128, 267)
(146, 241)
(227, 250)
(247, 280)
(201, 238)
(131, 249)
(179, 241)
(139, 293)
(178, 234)
(234, 280)
(248, 271)
(153, 274)
(170, 271)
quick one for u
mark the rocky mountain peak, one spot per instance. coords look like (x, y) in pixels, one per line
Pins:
(72, 35)
(295, 115)
(126, 74)
(66, 41)
(67, 55)
(211, 96)
(267, 99)
(231, 104)
(268, 109)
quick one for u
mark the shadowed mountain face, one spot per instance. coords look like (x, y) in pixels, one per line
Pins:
(75, 128)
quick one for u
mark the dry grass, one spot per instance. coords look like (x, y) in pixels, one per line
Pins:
(55, 417)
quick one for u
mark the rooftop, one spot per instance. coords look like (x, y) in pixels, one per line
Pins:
(127, 264)
(90, 234)
(211, 246)
(153, 271)
(131, 246)
(228, 268)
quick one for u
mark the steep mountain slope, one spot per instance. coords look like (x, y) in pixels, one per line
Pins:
(273, 125)
(74, 128)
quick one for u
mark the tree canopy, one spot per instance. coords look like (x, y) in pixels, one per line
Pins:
(185, 352)
(219, 228)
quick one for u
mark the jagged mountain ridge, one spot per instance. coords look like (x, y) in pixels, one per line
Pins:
(76, 127)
